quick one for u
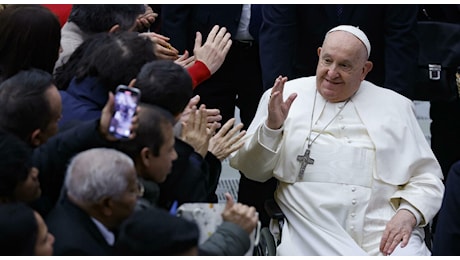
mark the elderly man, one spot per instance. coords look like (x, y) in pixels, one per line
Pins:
(101, 192)
(356, 174)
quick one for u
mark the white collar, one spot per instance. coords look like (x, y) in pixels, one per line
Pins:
(106, 233)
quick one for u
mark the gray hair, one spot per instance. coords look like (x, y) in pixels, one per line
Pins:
(98, 173)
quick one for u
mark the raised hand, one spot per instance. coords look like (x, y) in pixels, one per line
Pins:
(278, 109)
(212, 115)
(225, 142)
(214, 50)
(195, 131)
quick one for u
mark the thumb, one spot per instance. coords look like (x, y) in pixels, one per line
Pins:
(106, 116)
(110, 105)
(132, 83)
(230, 201)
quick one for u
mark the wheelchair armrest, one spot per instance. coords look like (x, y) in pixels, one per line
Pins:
(273, 210)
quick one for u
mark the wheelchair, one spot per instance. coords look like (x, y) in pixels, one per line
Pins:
(268, 242)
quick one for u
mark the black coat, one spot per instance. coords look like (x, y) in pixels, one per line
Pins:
(192, 178)
(52, 158)
(75, 232)
(447, 236)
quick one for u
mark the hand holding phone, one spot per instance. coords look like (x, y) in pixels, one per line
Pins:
(126, 102)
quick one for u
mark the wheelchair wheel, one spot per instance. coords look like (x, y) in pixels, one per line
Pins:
(266, 246)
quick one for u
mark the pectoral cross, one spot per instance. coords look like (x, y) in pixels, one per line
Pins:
(304, 161)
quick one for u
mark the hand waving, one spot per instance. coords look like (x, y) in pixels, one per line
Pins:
(278, 109)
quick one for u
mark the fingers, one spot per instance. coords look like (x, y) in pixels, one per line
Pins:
(224, 39)
(164, 50)
(156, 35)
(227, 46)
(213, 115)
(191, 118)
(132, 83)
(212, 34)
(183, 57)
(223, 131)
(237, 146)
(220, 35)
(202, 118)
(230, 201)
(279, 84)
(193, 101)
(184, 60)
(106, 116)
(290, 100)
(134, 123)
(397, 231)
(198, 41)
(212, 129)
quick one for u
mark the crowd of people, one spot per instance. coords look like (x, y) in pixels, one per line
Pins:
(327, 129)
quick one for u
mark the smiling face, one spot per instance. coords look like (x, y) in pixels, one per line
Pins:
(341, 67)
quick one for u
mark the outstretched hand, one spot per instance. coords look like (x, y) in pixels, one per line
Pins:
(214, 50)
(195, 131)
(163, 49)
(145, 20)
(212, 114)
(278, 109)
(185, 60)
(226, 140)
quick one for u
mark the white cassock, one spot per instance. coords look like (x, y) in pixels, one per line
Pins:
(372, 160)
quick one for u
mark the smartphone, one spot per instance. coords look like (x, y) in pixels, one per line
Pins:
(126, 101)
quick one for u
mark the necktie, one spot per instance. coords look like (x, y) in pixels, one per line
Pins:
(255, 21)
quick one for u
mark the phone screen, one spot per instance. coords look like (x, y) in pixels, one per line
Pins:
(126, 100)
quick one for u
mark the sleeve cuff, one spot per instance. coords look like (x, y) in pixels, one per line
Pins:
(270, 138)
(406, 205)
(199, 73)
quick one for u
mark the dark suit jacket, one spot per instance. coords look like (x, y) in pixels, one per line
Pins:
(75, 232)
(447, 236)
(291, 34)
(52, 158)
(192, 178)
(181, 22)
(238, 82)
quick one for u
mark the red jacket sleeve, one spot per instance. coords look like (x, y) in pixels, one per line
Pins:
(199, 73)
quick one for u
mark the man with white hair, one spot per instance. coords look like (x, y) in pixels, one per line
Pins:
(101, 192)
(355, 173)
